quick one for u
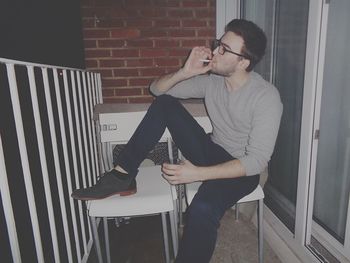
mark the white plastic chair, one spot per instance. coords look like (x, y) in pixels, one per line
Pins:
(256, 195)
(154, 194)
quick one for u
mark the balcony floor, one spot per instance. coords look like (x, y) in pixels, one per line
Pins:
(140, 241)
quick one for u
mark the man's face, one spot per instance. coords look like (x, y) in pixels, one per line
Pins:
(227, 63)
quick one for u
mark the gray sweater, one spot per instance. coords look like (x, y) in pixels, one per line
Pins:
(245, 121)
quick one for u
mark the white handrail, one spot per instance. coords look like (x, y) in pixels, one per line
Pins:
(24, 63)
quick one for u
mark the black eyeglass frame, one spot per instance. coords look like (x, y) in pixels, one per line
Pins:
(218, 43)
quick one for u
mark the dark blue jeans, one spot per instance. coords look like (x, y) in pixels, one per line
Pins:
(213, 198)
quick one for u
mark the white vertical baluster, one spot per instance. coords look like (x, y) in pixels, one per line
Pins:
(24, 160)
(8, 210)
(52, 129)
(92, 105)
(75, 101)
(83, 124)
(98, 128)
(67, 166)
(99, 89)
(43, 162)
(94, 87)
(68, 171)
(80, 102)
(89, 113)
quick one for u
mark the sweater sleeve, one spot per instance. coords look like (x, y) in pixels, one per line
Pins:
(190, 88)
(262, 137)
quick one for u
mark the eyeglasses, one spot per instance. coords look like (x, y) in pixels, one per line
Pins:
(222, 49)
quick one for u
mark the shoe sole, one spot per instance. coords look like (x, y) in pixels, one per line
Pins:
(123, 193)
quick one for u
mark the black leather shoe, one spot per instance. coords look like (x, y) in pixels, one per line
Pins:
(108, 185)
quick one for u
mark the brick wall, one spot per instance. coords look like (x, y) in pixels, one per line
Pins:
(131, 42)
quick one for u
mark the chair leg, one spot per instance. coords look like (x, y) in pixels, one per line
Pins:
(166, 239)
(181, 192)
(174, 234)
(105, 228)
(93, 224)
(260, 231)
(176, 218)
(237, 211)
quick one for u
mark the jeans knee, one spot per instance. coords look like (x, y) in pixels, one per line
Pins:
(164, 99)
(201, 212)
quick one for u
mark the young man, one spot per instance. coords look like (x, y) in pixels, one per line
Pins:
(245, 112)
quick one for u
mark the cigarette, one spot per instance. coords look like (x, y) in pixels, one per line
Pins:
(204, 60)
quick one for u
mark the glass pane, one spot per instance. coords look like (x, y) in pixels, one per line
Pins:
(285, 23)
(261, 12)
(332, 169)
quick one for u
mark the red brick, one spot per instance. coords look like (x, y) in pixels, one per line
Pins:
(105, 73)
(139, 43)
(90, 43)
(95, 33)
(205, 13)
(167, 62)
(107, 3)
(89, 63)
(111, 63)
(145, 91)
(153, 12)
(179, 52)
(97, 53)
(167, 23)
(139, 62)
(107, 92)
(122, 53)
(150, 38)
(110, 22)
(113, 82)
(139, 22)
(193, 43)
(196, 3)
(156, 72)
(125, 72)
(194, 23)
(153, 53)
(140, 82)
(154, 33)
(125, 33)
(212, 23)
(141, 100)
(138, 3)
(206, 33)
(112, 43)
(169, 3)
(122, 12)
(180, 13)
(167, 43)
(128, 92)
(182, 33)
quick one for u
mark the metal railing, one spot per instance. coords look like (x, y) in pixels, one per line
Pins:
(47, 149)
